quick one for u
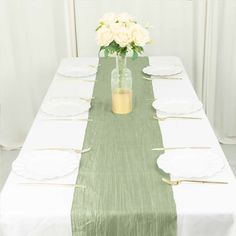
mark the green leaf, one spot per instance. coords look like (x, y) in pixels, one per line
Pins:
(135, 55)
(99, 27)
(102, 48)
(106, 52)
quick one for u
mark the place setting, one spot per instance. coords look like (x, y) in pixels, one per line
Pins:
(163, 71)
(41, 165)
(66, 109)
(81, 72)
(177, 108)
(191, 165)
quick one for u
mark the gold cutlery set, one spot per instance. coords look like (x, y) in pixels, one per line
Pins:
(179, 148)
(78, 151)
(87, 99)
(180, 181)
(67, 119)
(162, 77)
(53, 184)
(162, 118)
(72, 118)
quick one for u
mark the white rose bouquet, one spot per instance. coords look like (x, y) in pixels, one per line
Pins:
(120, 33)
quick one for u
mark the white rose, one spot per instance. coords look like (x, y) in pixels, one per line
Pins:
(125, 18)
(122, 34)
(140, 35)
(104, 36)
(108, 18)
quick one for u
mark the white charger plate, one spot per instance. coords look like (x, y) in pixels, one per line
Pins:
(45, 164)
(164, 69)
(190, 163)
(177, 106)
(79, 71)
(65, 107)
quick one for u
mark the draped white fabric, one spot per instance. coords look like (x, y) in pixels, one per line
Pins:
(225, 95)
(217, 81)
(34, 37)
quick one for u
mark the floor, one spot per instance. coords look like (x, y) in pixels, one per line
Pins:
(7, 157)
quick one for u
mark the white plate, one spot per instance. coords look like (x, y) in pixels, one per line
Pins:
(177, 106)
(163, 70)
(46, 164)
(77, 70)
(65, 107)
(190, 163)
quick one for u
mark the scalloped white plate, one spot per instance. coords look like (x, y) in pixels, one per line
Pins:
(77, 71)
(65, 106)
(190, 163)
(177, 106)
(164, 69)
(45, 164)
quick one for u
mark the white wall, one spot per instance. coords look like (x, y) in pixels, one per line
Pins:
(33, 39)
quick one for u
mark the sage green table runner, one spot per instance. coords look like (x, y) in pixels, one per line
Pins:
(124, 194)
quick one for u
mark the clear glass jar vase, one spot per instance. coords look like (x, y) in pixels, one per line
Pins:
(121, 86)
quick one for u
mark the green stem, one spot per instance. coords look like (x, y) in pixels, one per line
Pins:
(121, 65)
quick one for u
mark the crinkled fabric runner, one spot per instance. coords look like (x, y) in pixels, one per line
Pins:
(124, 194)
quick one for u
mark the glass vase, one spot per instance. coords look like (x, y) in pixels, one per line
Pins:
(121, 86)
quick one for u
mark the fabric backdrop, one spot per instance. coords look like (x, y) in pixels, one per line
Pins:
(35, 35)
(220, 72)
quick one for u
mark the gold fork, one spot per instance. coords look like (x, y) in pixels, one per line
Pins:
(53, 184)
(87, 99)
(79, 151)
(179, 181)
(94, 66)
(66, 119)
(162, 118)
(176, 148)
(161, 77)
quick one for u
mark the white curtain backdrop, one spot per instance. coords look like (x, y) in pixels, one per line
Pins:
(225, 92)
(215, 64)
(34, 37)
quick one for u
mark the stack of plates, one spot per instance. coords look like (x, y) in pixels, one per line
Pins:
(163, 69)
(40, 165)
(176, 106)
(65, 107)
(77, 71)
(190, 164)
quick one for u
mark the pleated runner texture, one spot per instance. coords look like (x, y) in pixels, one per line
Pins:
(124, 194)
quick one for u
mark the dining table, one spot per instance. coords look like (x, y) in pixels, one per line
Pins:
(117, 188)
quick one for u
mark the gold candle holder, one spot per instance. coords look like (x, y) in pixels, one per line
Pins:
(121, 101)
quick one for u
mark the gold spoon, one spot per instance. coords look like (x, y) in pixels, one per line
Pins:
(177, 182)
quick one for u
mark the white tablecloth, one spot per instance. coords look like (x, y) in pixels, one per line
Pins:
(202, 210)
